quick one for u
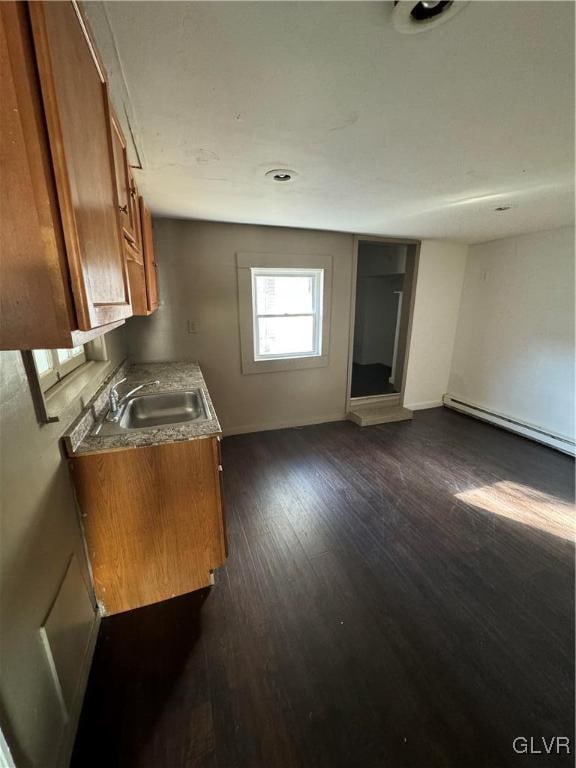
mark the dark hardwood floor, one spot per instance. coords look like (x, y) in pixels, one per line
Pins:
(399, 596)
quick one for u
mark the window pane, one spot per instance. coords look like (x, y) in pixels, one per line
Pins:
(68, 354)
(284, 294)
(285, 335)
(43, 360)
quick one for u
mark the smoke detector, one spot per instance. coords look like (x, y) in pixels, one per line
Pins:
(410, 16)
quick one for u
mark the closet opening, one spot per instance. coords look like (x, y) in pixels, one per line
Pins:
(385, 281)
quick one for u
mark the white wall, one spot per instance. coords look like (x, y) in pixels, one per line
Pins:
(438, 292)
(198, 282)
(514, 351)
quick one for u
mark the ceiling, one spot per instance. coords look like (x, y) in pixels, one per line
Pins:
(403, 135)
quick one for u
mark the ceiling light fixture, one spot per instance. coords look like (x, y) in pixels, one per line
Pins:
(411, 16)
(281, 175)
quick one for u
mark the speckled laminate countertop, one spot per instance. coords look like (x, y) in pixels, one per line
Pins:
(80, 438)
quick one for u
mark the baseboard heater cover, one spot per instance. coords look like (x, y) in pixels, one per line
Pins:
(561, 443)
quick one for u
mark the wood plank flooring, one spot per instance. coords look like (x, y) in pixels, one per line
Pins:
(381, 607)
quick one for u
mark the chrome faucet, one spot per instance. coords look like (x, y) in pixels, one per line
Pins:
(116, 401)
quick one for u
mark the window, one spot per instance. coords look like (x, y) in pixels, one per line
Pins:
(287, 312)
(53, 364)
(284, 302)
(59, 378)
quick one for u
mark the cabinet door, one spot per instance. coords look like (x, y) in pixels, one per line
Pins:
(123, 179)
(149, 257)
(78, 118)
(152, 520)
(36, 307)
(135, 207)
(137, 279)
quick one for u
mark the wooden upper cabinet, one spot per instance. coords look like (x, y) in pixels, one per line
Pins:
(36, 308)
(135, 218)
(76, 242)
(123, 181)
(77, 113)
(141, 264)
(135, 207)
(150, 266)
(137, 279)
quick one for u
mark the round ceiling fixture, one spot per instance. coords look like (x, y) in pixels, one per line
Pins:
(410, 16)
(281, 175)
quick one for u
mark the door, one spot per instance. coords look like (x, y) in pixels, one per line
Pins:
(78, 117)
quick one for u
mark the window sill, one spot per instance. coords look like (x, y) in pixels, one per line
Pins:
(80, 385)
(277, 364)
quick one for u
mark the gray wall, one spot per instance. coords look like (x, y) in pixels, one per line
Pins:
(381, 268)
(197, 275)
(39, 533)
(376, 316)
(381, 259)
(198, 283)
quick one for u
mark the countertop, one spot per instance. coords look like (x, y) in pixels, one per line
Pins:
(173, 377)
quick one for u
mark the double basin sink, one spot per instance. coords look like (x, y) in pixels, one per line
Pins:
(158, 409)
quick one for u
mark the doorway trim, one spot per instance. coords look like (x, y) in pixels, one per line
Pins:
(410, 295)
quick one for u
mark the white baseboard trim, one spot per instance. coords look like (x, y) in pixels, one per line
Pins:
(247, 428)
(531, 431)
(423, 406)
(67, 744)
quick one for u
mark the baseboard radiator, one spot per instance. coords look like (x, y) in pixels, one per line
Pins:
(560, 442)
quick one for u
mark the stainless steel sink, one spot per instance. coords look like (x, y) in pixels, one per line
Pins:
(157, 410)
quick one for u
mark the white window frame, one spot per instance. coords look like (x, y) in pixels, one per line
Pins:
(317, 275)
(59, 370)
(75, 388)
(250, 264)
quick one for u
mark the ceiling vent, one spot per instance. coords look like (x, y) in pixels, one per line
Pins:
(411, 16)
(281, 175)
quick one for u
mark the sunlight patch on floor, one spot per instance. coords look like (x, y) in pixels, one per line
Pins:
(525, 505)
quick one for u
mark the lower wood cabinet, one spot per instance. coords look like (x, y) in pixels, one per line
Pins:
(153, 520)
